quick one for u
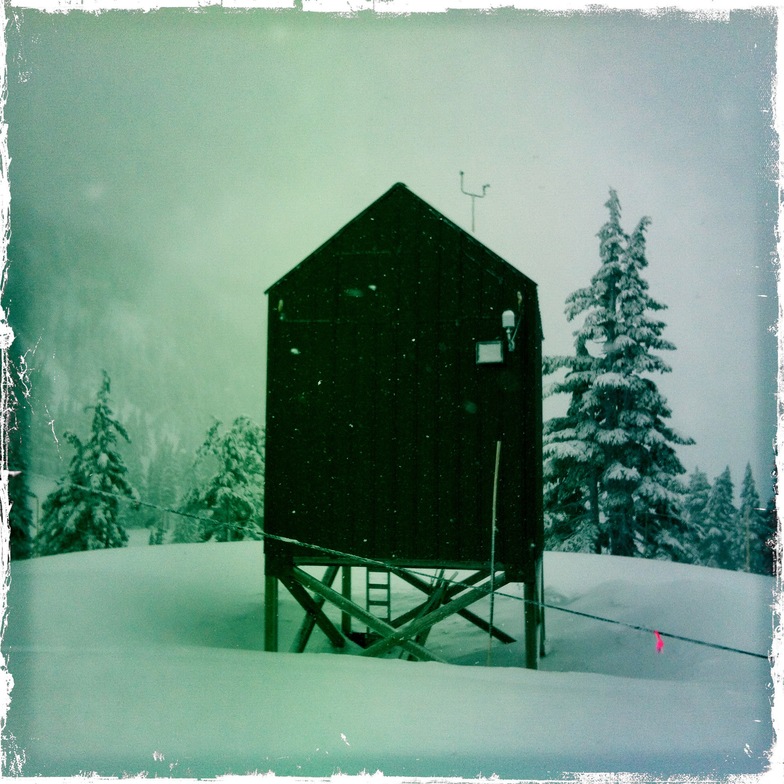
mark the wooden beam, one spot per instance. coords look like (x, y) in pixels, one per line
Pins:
(270, 613)
(455, 588)
(531, 626)
(540, 581)
(477, 620)
(451, 607)
(309, 621)
(345, 618)
(452, 589)
(314, 610)
(362, 615)
(435, 599)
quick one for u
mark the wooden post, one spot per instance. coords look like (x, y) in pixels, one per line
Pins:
(270, 613)
(530, 594)
(540, 576)
(345, 618)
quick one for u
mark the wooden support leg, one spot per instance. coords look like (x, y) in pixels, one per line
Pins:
(531, 626)
(345, 618)
(270, 613)
(540, 570)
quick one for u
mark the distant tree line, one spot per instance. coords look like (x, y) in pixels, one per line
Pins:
(612, 479)
(727, 536)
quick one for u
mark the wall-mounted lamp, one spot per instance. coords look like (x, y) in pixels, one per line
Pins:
(491, 352)
(508, 323)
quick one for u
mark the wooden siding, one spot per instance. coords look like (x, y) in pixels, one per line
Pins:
(381, 428)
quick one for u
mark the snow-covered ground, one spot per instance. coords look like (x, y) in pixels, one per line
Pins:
(151, 659)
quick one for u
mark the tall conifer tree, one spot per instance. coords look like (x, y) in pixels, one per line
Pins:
(697, 494)
(20, 518)
(720, 547)
(17, 421)
(753, 526)
(83, 512)
(228, 504)
(770, 560)
(610, 462)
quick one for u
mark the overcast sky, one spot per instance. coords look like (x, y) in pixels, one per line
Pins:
(228, 145)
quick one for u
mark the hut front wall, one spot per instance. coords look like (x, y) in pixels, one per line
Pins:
(381, 427)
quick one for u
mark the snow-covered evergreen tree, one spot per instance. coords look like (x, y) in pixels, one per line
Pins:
(753, 528)
(20, 519)
(697, 494)
(228, 505)
(611, 471)
(770, 560)
(573, 464)
(83, 512)
(569, 526)
(721, 543)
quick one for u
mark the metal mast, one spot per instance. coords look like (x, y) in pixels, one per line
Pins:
(474, 197)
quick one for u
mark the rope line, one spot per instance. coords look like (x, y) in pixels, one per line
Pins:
(364, 561)
(649, 629)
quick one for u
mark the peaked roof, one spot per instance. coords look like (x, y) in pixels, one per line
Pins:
(401, 189)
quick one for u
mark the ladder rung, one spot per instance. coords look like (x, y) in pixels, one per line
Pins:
(378, 593)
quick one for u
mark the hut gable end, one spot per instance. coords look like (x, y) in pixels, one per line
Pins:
(370, 243)
(381, 425)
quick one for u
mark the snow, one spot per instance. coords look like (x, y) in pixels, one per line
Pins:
(612, 380)
(150, 659)
(618, 472)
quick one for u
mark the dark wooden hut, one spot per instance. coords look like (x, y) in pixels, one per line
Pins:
(403, 414)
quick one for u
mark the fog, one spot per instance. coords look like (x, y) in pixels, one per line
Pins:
(168, 167)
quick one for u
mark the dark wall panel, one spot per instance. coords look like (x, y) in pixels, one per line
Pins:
(382, 429)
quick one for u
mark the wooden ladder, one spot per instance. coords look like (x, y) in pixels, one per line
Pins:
(378, 593)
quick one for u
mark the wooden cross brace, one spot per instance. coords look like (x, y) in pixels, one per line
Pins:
(453, 589)
(313, 612)
(391, 637)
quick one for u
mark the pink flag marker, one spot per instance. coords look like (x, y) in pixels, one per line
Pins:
(659, 642)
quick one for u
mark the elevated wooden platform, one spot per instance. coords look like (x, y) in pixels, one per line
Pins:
(408, 631)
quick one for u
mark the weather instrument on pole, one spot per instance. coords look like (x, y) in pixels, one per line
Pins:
(474, 197)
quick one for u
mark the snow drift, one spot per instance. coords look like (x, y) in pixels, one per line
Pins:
(150, 659)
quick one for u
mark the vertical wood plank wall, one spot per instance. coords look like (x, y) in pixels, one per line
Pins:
(381, 427)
